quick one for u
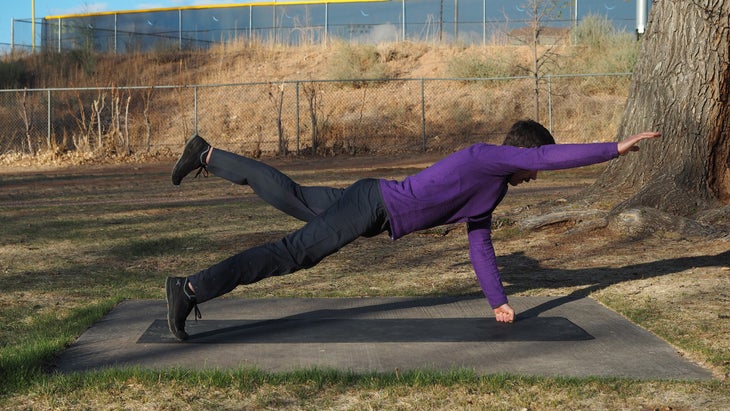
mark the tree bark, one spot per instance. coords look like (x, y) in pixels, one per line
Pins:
(680, 87)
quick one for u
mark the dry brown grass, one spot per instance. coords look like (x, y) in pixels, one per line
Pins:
(83, 236)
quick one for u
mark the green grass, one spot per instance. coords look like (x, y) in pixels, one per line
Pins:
(323, 388)
(24, 359)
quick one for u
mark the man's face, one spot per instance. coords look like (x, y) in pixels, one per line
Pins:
(522, 177)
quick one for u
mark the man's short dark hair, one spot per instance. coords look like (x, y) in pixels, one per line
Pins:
(528, 133)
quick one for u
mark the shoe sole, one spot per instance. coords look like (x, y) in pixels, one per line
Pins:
(170, 314)
(175, 168)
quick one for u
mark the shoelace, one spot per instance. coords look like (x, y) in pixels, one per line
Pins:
(197, 315)
(191, 297)
(203, 167)
(202, 170)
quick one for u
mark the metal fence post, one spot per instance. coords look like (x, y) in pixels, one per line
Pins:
(423, 115)
(326, 23)
(179, 30)
(48, 120)
(550, 103)
(116, 30)
(195, 108)
(296, 110)
(403, 26)
(60, 23)
(484, 22)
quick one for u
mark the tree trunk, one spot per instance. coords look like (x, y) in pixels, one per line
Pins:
(680, 87)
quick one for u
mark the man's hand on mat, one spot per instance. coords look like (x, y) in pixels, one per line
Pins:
(504, 313)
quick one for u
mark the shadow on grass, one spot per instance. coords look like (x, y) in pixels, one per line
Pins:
(593, 279)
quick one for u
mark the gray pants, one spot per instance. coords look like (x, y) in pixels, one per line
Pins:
(334, 216)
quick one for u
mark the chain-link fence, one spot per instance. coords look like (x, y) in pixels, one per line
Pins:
(315, 22)
(303, 117)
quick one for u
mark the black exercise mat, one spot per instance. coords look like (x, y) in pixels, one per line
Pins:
(353, 330)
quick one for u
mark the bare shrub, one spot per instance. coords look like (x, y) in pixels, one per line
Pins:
(362, 62)
(475, 63)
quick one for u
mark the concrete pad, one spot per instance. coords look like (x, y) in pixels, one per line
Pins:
(551, 337)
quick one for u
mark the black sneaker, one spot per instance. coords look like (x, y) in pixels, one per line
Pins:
(192, 157)
(180, 301)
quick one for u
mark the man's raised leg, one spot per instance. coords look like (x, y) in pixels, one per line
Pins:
(273, 186)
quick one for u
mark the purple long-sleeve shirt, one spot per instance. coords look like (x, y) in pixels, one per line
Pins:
(467, 185)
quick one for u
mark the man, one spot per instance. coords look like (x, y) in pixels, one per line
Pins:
(465, 186)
